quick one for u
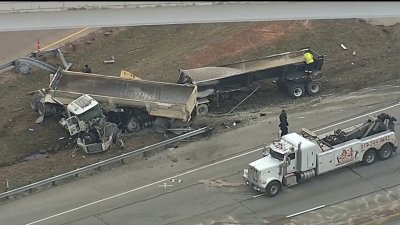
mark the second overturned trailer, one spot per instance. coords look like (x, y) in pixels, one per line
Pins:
(287, 68)
(132, 103)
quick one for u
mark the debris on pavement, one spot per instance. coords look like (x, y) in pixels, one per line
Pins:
(111, 61)
(344, 47)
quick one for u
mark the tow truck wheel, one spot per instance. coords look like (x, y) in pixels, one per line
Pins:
(369, 157)
(273, 188)
(385, 152)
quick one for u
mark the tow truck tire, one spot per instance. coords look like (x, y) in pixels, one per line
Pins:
(385, 152)
(132, 125)
(296, 90)
(313, 87)
(273, 188)
(369, 157)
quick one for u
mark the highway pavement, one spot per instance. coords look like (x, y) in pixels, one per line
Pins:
(16, 44)
(201, 183)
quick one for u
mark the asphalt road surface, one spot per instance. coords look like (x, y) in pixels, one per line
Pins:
(16, 44)
(204, 186)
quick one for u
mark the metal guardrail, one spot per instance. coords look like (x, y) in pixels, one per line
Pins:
(24, 64)
(103, 163)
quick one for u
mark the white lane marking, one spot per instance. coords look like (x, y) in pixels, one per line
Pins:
(194, 170)
(305, 211)
(145, 186)
(256, 196)
(358, 117)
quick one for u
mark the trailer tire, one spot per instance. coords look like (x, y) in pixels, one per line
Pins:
(161, 124)
(296, 90)
(132, 125)
(313, 87)
(273, 188)
(369, 157)
(202, 109)
(386, 151)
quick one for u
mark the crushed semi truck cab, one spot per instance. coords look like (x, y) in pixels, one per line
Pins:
(297, 157)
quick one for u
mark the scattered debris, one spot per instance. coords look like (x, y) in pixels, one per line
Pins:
(354, 52)
(344, 47)
(61, 138)
(30, 129)
(111, 61)
(165, 185)
(18, 109)
(39, 119)
(36, 156)
(301, 117)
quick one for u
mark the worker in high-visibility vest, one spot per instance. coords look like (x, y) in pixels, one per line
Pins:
(309, 59)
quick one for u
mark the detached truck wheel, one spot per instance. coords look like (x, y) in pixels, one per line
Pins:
(296, 90)
(313, 87)
(273, 188)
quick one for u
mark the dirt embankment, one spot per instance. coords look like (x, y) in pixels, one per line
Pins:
(157, 52)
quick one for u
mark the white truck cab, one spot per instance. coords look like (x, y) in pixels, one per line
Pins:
(296, 157)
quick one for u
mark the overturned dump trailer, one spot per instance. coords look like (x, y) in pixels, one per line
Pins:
(288, 68)
(36, 59)
(133, 104)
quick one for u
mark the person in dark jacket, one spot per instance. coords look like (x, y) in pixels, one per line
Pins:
(86, 69)
(283, 123)
(391, 123)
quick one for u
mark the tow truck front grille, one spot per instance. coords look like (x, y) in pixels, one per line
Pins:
(253, 174)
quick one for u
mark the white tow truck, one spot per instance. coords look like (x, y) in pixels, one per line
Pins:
(295, 158)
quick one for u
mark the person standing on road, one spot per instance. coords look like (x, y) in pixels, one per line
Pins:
(391, 123)
(86, 69)
(309, 60)
(283, 123)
